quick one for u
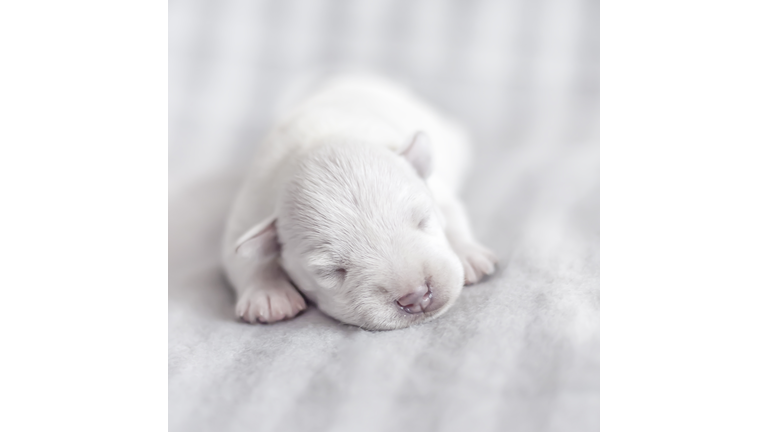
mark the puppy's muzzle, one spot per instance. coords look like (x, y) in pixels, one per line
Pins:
(418, 301)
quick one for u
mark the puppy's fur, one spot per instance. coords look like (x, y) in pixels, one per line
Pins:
(351, 198)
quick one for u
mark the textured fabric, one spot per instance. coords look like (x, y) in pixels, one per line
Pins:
(519, 351)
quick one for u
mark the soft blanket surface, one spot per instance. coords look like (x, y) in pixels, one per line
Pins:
(519, 351)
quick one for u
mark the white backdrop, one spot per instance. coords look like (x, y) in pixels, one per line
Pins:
(519, 351)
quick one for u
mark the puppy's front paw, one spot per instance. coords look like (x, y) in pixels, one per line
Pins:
(477, 261)
(268, 305)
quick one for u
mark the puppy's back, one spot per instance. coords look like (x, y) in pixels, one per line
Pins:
(372, 110)
(356, 108)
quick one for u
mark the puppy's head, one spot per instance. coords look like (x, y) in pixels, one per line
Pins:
(362, 237)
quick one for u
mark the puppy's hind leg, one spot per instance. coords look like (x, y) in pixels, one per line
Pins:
(476, 259)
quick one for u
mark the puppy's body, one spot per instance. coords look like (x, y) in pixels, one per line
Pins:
(352, 198)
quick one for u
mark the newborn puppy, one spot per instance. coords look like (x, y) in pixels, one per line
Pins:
(351, 199)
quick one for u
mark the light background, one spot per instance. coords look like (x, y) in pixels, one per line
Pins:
(517, 352)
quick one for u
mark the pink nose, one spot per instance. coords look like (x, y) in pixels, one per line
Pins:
(417, 301)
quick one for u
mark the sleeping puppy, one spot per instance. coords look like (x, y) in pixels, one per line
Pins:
(352, 200)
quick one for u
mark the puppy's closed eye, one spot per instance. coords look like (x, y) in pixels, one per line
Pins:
(340, 273)
(333, 276)
(428, 222)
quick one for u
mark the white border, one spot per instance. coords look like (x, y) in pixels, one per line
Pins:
(83, 169)
(684, 210)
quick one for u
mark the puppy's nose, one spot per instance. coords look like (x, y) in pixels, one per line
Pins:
(417, 301)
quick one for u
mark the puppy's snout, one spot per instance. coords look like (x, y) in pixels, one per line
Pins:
(417, 301)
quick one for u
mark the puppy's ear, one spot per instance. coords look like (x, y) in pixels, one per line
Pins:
(259, 242)
(419, 154)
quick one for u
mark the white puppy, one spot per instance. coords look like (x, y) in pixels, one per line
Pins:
(351, 199)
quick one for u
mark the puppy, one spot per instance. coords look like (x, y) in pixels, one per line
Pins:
(351, 199)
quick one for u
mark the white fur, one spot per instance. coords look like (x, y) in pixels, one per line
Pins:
(350, 202)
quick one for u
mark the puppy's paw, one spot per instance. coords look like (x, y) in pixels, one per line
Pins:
(270, 304)
(477, 261)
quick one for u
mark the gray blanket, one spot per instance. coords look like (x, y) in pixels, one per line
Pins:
(519, 351)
